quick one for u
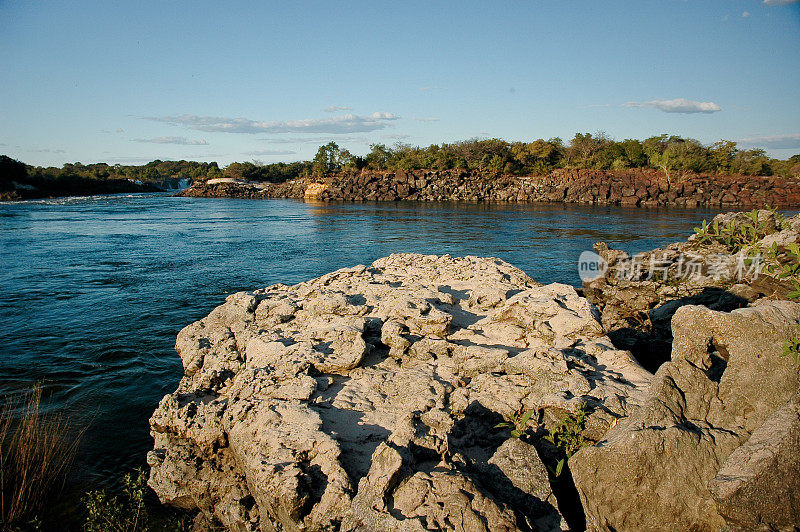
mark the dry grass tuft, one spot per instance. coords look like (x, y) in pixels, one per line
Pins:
(36, 451)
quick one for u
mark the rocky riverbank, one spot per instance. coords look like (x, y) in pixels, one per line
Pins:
(640, 187)
(372, 398)
(80, 187)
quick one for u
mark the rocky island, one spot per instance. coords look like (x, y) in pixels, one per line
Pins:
(631, 188)
(441, 393)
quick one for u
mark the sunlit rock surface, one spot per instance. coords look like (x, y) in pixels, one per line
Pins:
(367, 399)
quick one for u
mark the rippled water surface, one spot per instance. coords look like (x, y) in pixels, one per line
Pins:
(94, 290)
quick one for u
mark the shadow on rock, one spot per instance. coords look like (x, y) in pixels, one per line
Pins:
(650, 337)
(510, 469)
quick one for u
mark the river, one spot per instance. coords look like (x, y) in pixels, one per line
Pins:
(93, 290)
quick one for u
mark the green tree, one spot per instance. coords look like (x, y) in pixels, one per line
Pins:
(722, 154)
(327, 159)
(11, 171)
(379, 157)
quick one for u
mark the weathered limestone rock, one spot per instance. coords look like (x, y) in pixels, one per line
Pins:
(638, 295)
(704, 450)
(367, 399)
(759, 483)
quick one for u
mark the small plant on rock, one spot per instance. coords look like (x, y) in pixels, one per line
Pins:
(785, 265)
(517, 424)
(792, 347)
(567, 436)
(735, 237)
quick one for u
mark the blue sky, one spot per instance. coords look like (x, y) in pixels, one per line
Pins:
(129, 82)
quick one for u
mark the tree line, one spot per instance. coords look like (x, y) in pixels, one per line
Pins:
(672, 154)
(669, 153)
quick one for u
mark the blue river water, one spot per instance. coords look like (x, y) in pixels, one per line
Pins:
(93, 290)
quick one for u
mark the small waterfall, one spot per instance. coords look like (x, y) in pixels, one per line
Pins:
(173, 184)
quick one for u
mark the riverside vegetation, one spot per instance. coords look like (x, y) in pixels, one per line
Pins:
(671, 154)
(37, 449)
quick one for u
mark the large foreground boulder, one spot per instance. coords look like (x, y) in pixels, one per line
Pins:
(716, 442)
(367, 399)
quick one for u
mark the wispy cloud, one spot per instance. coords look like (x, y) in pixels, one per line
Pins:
(430, 88)
(45, 150)
(426, 119)
(314, 140)
(779, 2)
(678, 105)
(745, 14)
(336, 109)
(396, 137)
(775, 142)
(134, 160)
(348, 123)
(270, 152)
(183, 141)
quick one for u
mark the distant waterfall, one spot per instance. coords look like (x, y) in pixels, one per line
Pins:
(173, 184)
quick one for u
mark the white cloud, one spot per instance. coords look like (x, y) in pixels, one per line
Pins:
(348, 123)
(270, 152)
(430, 88)
(336, 108)
(396, 137)
(678, 105)
(426, 119)
(183, 141)
(774, 142)
(779, 2)
(745, 14)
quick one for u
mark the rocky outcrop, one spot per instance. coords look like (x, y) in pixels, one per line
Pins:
(715, 443)
(238, 188)
(758, 485)
(368, 399)
(638, 295)
(638, 187)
